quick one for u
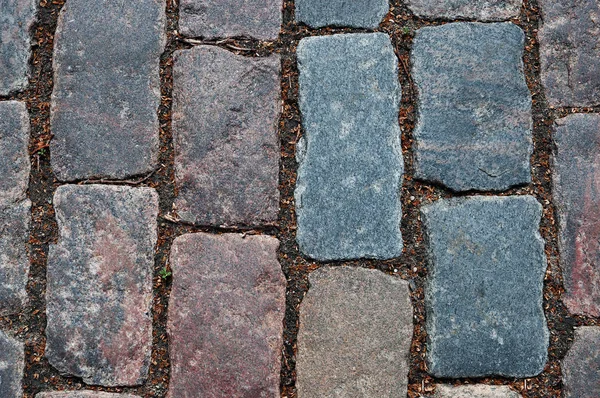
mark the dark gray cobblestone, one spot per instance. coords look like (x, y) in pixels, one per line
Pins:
(355, 13)
(12, 364)
(581, 364)
(482, 10)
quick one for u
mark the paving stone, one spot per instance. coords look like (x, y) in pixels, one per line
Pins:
(350, 159)
(12, 363)
(225, 316)
(260, 19)
(357, 13)
(580, 366)
(82, 394)
(106, 88)
(225, 119)
(576, 186)
(16, 19)
(99, 293)
(474, 124)
(355, 335)
(484, 293)
(14, 152)
(475, 391)
(570, 62)
(482, 10)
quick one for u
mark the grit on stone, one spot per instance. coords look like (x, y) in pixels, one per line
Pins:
(482, 10)
(355, 335)
(225, 119)
(350, 159)
(82, 394)
(260, 19)
(484, 293)
(12, 363)
(106, 88)
(475, 391)
(570, 61)
(474, 124)
(99, 292)
(16, 19)
(225, 316)
(356, 13)
(580, 366)
(577, 199)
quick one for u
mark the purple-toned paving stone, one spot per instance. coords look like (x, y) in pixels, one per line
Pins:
(580, 366)
(106, 88)
(482, 10)
(225, 119)
(474, 391)
(225, 316)
(355, 335)
(99, 291)
(12, 363)
(83, 394)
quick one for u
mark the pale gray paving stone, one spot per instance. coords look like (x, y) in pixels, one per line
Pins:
(580, 366)
(481, 10)
(82, 394)
(474, 391)
(12, 365)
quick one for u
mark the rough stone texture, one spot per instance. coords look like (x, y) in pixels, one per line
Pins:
(482, 10)
(16, 18)
(82, 394)
(350, 159)
(474, 124)
(570, 61)
(475, 391)
(580, 366)
(484, 293)
(260, 19)
(356, 13)
(577, 198)
(225, 119)
(225, 316)
(355, 335)
(106, 88)
(99, 293)
(12, 363)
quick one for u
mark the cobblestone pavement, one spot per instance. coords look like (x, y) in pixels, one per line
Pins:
(299, 198)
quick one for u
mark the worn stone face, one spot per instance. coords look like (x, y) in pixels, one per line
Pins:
(484, 294)
(482, 10)
(106, 88)
(474, 124)
(16, 18)
(475, 391)
(580, 366)
(577, 200)
(99, 291)
(14, 152)
(356, 13)
(12, 363)
(260, 19)
(355, 335)
(225, 116)
(570, 61)
(225, 316)
(350, 160)
(82, 394)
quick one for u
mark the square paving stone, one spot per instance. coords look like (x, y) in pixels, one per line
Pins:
(12, 363)
(82, 394)
(356, 13)
(482, 10)
(225, 119)
(580, 367)
(576, 177)
(106, 88)
(474, 123)
(355, 335)
(99, 293)
(474, 391)
(484, 293)
(225, 316)
(16, 19)
(350, 158)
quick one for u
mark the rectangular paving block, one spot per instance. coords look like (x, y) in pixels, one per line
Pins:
(580, 375)
(225, 121)
(225, 316)
(17, 18)
(12, 365)
(106, 88)
(474, 391)
(474, 123)
(484, 293)
(99, 293)
(482, 10)
(82, 394)
(576, 175)
(356, 13)
(350, 159)
(355, 335)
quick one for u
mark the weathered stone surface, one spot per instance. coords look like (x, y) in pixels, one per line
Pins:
(570, 61)
(225, 316)
(99, 291)
(482, 10)
(580, 366)
(484, 293)
(16, 18)
(356, 13)
(260, 19)
(577, 200)
(350, 159)
(475, 391)
(82, 394)
(106, 88)
(355, 335)
(474, 123)
(12, 363)
(225, 119)
(14, 152)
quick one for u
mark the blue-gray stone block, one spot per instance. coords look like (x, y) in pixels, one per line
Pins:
(355, 13)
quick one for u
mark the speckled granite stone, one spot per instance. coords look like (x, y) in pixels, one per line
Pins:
(355, 13)
(481, 10)
(12, 365)
(580, 366)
